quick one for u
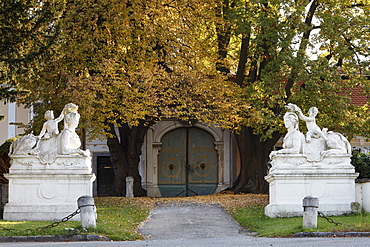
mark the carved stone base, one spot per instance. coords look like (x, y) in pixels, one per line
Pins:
(292, 178)
(47, 192)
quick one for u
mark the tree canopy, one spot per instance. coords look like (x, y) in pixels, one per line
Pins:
(128, 64)
(311, 53)
(27, 31)
(125, 61)
(234, 63)
(116, 53)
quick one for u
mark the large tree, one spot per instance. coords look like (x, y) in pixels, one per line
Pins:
(235, 63)
(312, 53)
(27, 30)
(129, 64)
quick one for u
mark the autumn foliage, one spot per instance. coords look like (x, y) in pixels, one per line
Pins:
(231, 63)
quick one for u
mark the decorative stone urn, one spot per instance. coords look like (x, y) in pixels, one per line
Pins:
(316, 164)
(48, 172)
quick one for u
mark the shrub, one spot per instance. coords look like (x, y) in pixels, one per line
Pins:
(4, 159)
(361, 162)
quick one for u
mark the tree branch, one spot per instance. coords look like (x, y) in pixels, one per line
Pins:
(244, 52)
(223, 35)
(302, 46)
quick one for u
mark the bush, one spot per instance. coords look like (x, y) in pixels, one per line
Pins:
(4, 159)
(361, 162)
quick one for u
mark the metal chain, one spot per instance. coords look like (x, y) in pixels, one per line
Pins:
(54, 224)
(320, 214)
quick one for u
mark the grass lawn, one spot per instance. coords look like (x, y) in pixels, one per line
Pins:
(27, 228)
(120, 217)
(254, 219)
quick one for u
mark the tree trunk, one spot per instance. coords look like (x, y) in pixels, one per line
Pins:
(125, 152)
(254, 156)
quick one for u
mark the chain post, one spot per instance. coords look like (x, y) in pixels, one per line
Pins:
(310, 205)
(88, 211)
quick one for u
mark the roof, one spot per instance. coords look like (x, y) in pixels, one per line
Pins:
(359, 97)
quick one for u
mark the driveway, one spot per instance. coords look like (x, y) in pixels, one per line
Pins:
(199, 225)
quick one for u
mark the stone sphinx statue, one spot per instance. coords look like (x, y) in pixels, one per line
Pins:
(50, 143)
(317, 143)
(293, 140)
(49, 171)
(317, 163)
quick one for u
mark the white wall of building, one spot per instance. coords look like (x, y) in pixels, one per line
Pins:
(13, 114)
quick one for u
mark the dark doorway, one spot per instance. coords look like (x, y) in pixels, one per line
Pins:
(105, 176)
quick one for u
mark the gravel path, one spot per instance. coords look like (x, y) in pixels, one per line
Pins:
(189, 221)
(200, 225)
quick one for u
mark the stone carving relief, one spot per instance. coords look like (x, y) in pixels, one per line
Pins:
(316, 144)
(51, 143)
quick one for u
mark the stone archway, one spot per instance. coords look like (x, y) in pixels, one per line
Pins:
(150, 167)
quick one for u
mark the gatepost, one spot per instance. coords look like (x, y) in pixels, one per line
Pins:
(310, 205)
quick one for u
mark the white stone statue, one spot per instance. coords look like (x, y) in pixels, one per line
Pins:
(337, 144)
(69, 142)
(48, 172)
(50, 127)
(293, 140)
(319, 143)
(47, 139)
(318, 165)
(50, 143)
(313, 129)
(23, 145)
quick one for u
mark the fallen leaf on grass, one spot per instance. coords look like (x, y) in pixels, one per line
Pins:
(228, 201)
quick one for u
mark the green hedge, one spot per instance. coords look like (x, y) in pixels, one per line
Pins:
(361, 162)
(4, 159)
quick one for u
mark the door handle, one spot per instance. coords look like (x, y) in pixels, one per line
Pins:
(191, 169)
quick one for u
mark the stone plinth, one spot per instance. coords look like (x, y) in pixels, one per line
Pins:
(47, 192)
(292, 177)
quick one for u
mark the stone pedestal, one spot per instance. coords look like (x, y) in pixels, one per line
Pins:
(47, 192)
(292, 177)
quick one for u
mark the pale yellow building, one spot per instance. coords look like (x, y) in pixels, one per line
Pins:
(13, 114)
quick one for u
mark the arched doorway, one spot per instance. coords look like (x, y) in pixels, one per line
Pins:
(187, 163)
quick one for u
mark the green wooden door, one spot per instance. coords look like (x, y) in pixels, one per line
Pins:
(187, 163)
